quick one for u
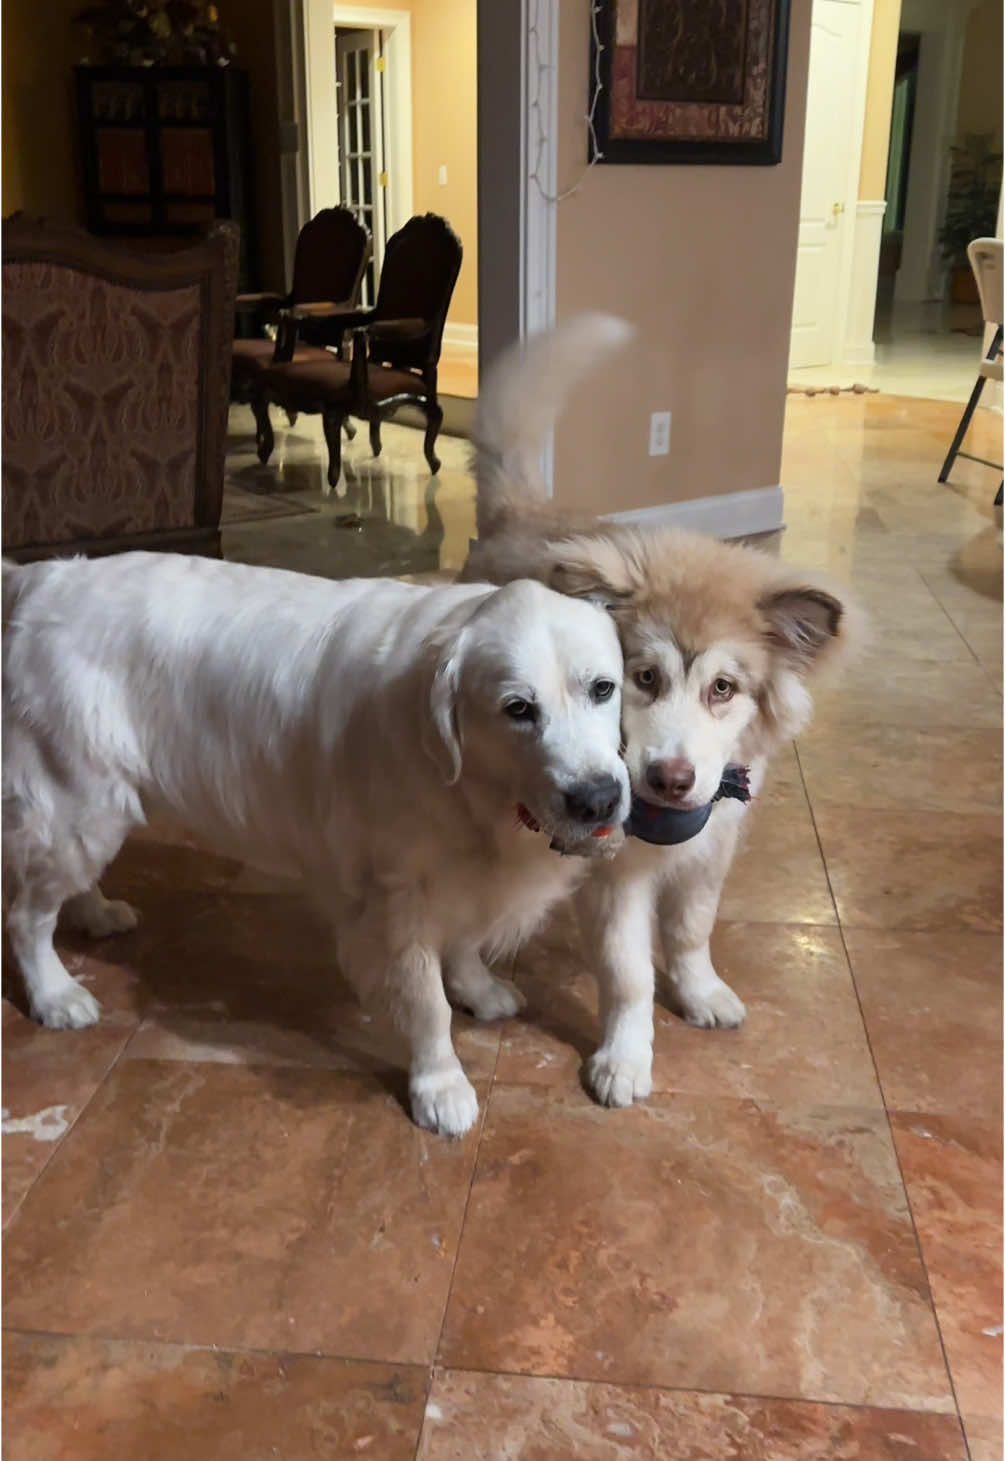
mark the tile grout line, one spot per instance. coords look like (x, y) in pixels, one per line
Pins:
(71, 1128)
(956, 628)
(292, 1355)
(886, 1109)
(457, 1256)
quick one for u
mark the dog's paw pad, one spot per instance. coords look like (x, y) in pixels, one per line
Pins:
(445, 1104)
(715, 1008)
(499, 1000)
(615, 1081)
(71, 1008)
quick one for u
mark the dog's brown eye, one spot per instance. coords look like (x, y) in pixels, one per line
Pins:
(520, 709)
(645, 678)
(602, 690)
(723, 689)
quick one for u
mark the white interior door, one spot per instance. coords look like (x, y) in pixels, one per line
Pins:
(359, 75)
(827, 203)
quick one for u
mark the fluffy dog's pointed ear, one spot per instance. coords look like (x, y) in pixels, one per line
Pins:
(591, 568)
(441, 735)
(802, 623)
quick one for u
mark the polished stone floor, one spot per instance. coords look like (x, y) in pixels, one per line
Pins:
(927, 349)
(226, 1242)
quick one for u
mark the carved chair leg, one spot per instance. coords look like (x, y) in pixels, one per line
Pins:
(291, 417)
(332, 419)
(434, 420)
(375, 441)
(264, 439)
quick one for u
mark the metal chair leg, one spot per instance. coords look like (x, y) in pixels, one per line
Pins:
(961, 430)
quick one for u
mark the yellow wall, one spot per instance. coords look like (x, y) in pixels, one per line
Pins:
(445, 128)
(702, 259)
(250, 25)
(40, 160)
(40, 168)
(879, 98)
(980, 108)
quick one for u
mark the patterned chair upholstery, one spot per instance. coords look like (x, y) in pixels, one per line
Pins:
(116, 369)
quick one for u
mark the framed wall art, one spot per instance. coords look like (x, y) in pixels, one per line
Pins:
(690, 81)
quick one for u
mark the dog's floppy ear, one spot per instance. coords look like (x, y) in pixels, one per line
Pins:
(441, 735)
(802, 622)
(591, 568)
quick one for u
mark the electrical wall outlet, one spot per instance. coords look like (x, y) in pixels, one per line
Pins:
(443, 175)
(659, 434)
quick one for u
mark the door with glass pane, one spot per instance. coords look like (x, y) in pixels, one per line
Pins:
(362, 179)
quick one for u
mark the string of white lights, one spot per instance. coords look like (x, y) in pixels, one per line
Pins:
(537, 69)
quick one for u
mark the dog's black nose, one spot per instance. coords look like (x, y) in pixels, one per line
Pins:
(593, 801)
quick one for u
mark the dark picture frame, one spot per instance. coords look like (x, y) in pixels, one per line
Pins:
(683, 81)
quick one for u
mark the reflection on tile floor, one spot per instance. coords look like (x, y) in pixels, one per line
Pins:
(225, 1239)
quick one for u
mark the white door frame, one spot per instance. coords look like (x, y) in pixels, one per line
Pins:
(850, 217)
(942, 25)
(517, 166)
(851, 213)
(320, 17)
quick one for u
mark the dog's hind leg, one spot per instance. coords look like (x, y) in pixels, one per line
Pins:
(49, 862)
(54, 996)
(94, 914)
(473, 987)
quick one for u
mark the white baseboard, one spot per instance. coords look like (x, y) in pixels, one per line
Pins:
(731, 515)
(461, 337)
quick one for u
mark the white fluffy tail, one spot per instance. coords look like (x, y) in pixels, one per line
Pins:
(519, 402)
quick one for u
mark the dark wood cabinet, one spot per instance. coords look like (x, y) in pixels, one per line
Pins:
(165, 151)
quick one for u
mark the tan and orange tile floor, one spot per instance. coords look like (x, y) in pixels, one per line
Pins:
(226, 1242)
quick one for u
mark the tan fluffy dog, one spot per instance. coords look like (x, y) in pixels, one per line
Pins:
(720, 645)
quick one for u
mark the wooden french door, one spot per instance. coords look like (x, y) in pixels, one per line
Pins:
(359, 81)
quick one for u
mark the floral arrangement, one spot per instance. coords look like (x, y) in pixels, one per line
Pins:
(156, 32)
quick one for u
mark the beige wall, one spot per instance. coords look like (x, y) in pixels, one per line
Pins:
(980, 108)
(879, 98)
(702, 259)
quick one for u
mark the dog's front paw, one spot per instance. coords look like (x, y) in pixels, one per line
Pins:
(69, 1008)
(445, 1102)
(496, 999)
(617, 1081)
(715, 1007)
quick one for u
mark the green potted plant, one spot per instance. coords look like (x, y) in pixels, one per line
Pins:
(971, 208)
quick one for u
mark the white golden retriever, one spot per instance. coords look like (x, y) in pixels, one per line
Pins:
(290, 721)
(720, 644)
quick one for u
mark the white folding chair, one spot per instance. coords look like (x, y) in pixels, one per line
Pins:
(985, 255)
